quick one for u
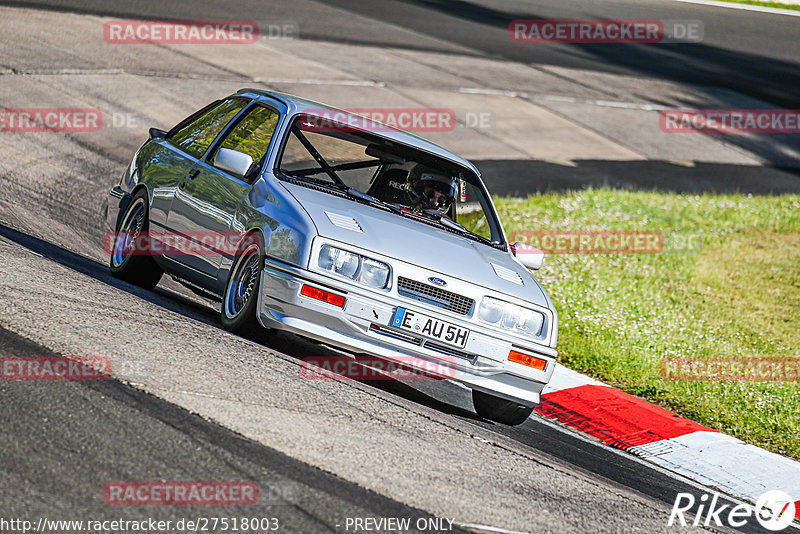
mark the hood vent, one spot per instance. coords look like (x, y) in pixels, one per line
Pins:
(344, 221)
(507, 274)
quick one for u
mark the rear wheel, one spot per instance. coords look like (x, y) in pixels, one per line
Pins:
(500, 410)
(127, 261)
(239, 303)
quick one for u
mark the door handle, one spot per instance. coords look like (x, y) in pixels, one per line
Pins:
(193, 174)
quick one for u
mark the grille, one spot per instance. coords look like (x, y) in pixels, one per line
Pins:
(434, 296)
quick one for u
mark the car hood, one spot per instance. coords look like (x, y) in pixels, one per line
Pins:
(418, 243)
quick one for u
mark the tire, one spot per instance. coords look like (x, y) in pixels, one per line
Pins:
(240, 300)
(138, 269)
(500, 410)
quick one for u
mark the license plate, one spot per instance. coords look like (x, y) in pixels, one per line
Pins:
(430, 327)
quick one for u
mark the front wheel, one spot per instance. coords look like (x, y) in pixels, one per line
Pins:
(240, 300)
(500, 410)
(128, 262)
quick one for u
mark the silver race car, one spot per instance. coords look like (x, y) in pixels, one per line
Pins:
(309, 219)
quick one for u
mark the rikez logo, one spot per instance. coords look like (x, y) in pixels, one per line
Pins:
(437, 281)
(774, 511)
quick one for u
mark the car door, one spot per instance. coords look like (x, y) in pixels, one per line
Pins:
(175, 156)
(204, 208)
(176, 169)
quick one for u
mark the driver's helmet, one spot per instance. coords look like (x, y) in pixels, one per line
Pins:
(432, 189)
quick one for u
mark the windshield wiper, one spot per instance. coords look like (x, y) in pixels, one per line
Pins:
(355, 193)
(451, 224)
(311, 179)
(446, 221)
(352, 192)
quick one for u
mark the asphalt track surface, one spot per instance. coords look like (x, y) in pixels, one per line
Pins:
(66, 446)
(736, 52)
(51, 468)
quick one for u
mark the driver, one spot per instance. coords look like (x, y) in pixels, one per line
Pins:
(431, 190)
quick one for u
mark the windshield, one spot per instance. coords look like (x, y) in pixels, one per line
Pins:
(374, 169)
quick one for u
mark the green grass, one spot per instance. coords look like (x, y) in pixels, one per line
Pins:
(764, 4)
(727, 284)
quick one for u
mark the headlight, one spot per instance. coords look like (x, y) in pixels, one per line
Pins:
(369, 272)
(511, 317)
(339, 261)
(490, 311)
(374, 273)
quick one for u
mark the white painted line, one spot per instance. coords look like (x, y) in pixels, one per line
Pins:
(744, 7)
(356, 83)
(600, 103)
(559, 98)
(482, 91)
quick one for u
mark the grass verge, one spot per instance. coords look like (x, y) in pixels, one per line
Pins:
(778, 5)
(727, 284)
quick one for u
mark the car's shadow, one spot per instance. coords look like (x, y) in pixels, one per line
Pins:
(438, 393)
(288, 344)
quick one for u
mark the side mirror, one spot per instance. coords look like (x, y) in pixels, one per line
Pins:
(236, 163)
(155, 133)
(529, 256)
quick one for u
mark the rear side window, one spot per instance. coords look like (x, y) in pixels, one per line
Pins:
(253, 133)
(197, 135)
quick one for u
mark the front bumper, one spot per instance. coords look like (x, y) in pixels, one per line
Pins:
(362, 326)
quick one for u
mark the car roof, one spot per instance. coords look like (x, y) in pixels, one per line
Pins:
(296, 105)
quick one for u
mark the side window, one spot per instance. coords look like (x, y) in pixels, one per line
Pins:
(253, 133)
(197, 135)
